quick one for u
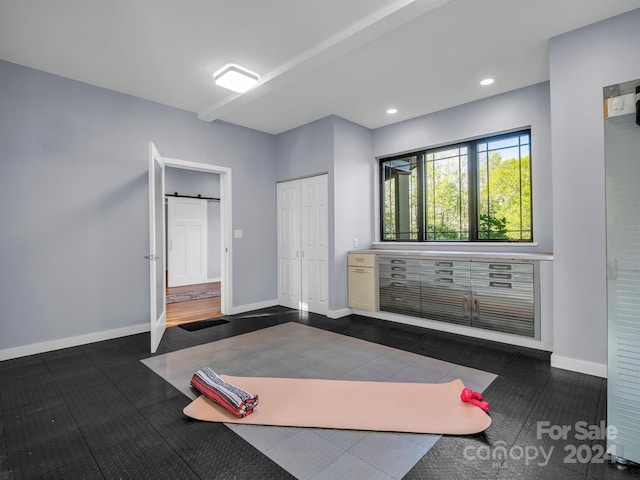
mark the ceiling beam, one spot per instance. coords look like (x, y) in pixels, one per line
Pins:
(371, 27)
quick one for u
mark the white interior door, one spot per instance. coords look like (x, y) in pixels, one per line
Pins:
(289, 249)
(156, 257)
(314, 240)
(187, 237)
(303, 244)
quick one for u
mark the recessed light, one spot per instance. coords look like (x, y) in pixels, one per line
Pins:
(236, 78)
(391, 111)
(486, 81)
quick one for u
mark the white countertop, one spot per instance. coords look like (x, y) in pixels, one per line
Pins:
(460, 254)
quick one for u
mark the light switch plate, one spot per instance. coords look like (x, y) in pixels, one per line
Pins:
(237, 233)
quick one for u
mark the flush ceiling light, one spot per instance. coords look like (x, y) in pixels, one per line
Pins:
(391, 111)
(236, 78)
(486, 81)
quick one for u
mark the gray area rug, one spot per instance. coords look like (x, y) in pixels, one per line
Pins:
(298, 351)
(185, 297)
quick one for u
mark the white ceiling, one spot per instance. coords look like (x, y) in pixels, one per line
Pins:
(351, 58)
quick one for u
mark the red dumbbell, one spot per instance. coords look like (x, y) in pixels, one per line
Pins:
(475, 398)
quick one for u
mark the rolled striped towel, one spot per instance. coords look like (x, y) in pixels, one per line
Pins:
(239, 402)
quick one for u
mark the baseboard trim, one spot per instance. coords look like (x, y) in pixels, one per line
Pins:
(58, 344)
(339, 313)
(580, 366)
(253, 306)
(213, 280)
(458, 329)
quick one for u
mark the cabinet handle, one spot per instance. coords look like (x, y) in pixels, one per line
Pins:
(500, 284)
(499, 266)
(398, 284)
(399, 269)
(444, 280)
(399, 299)
(360, 270)
(476, 307)
(398, 275)
(504, 276)
(395, 260)
(359, 259)
(444, 272)
(444, 264)
(465, 305)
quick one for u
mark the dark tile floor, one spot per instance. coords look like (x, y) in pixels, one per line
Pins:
(96, 411)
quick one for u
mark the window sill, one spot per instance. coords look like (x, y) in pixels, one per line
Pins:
(437, 245)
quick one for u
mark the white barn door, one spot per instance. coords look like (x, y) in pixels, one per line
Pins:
(303, 244)
(187, 241)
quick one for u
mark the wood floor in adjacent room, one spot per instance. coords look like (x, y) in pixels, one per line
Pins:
(193, 310)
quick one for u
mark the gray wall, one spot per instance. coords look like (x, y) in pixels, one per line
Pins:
(73, 191)
(354, 184)
(188, 182)
(525, 107)
(308, 150)
(343, 149)
(581, 64)
(519, 108)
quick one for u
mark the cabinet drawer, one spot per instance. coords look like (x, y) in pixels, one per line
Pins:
(400, 300)
(458, 266)
(504, 267)
(487, 276)
(362, 288)
(361, 260)
(397, 262)
(458, 282)
(443, 272)
(503, 288)
(399, 269)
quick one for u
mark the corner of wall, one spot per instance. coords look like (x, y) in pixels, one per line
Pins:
(580, 366)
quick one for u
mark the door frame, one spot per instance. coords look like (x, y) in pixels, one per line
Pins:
(226, 273)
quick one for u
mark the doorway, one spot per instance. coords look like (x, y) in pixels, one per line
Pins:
(193, 247)
(201, 290)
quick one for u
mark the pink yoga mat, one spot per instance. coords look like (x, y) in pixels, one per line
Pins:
(433, 408)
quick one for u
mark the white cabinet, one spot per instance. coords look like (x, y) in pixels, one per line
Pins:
(303, 250)
(362, 281)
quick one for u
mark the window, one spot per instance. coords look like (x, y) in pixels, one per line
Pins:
(400, 204)
(473, 191)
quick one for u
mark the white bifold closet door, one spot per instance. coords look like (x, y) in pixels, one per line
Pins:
(303, 249)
